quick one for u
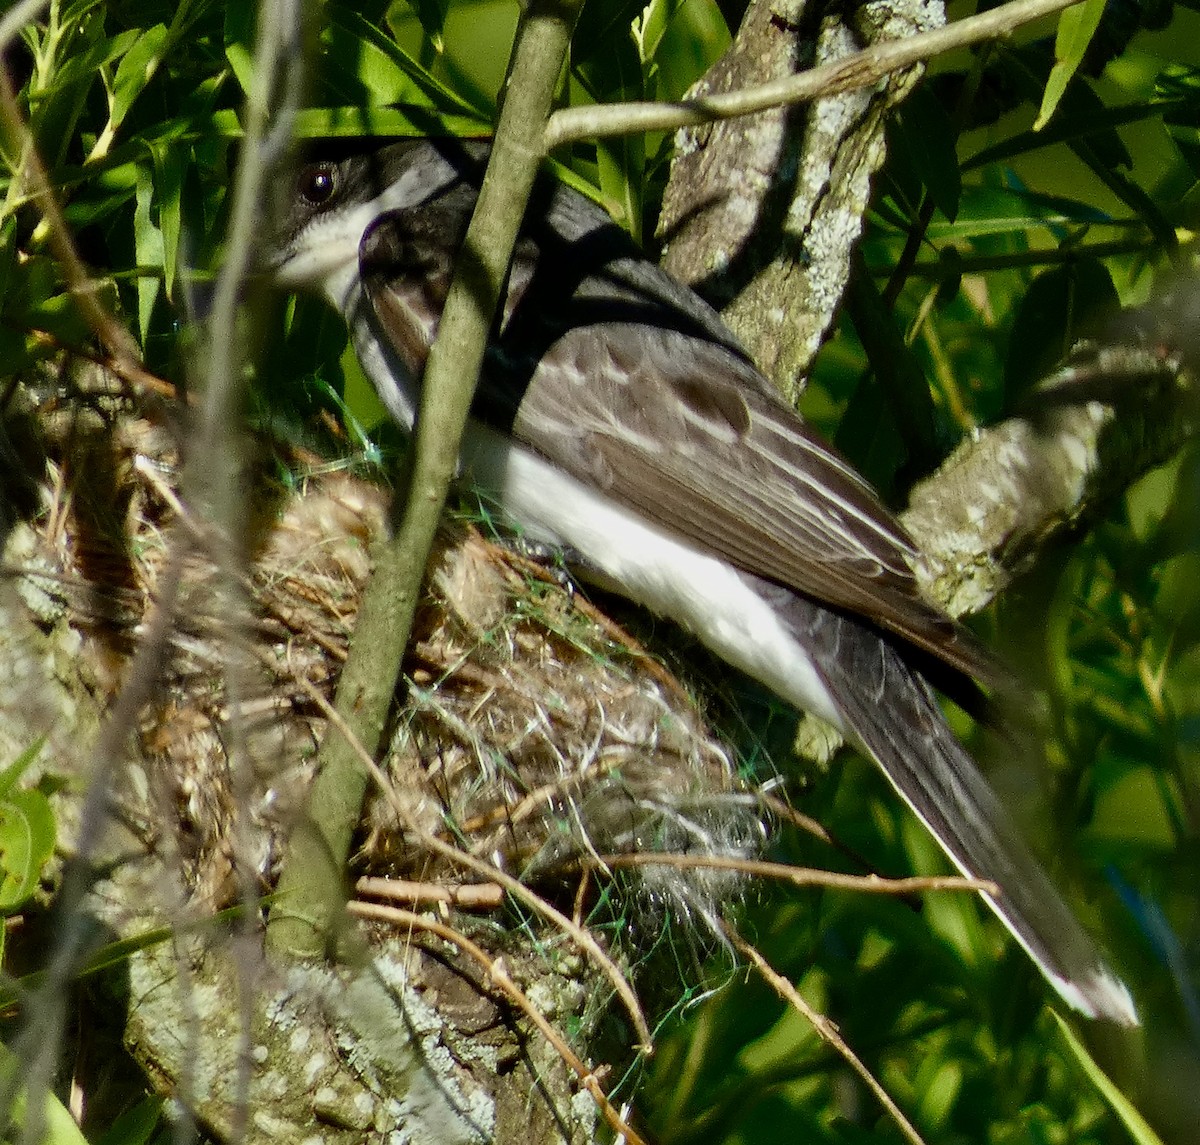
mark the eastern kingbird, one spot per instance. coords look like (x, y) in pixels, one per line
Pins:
(618, 418)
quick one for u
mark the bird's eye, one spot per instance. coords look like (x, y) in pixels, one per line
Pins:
(317, 183)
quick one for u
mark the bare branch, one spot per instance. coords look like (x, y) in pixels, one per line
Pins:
(860, 70)
(828, 1033)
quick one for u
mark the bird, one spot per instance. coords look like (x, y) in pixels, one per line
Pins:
(618, 420)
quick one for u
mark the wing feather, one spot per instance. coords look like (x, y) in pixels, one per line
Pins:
(612, 370)
(681, 437)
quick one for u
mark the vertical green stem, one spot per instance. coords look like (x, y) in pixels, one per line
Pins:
(311, 887)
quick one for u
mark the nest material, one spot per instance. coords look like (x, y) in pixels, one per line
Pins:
(534, 734)
(543, 735)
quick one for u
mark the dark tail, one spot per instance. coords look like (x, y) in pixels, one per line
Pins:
(894, 716)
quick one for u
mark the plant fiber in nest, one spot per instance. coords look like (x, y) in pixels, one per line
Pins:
(533, 733)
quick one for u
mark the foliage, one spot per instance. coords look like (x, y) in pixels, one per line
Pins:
(995, 246)
(26, 835)
(59, 1126)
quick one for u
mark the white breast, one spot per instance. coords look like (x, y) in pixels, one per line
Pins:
(673, 579)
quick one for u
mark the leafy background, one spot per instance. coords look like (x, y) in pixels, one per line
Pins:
(1026, 242)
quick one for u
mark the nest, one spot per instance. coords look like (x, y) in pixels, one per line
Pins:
(534, 734)
(544, 736)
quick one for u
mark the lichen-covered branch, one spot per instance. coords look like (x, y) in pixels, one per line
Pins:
(762, 213)
(1092, 430)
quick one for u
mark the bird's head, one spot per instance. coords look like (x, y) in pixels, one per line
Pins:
(337, 192)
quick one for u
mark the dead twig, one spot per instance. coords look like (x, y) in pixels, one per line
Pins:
(826, 1030)
(466, 896)
(494, 968)
(802, 876)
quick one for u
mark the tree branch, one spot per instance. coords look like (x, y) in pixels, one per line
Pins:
(1100, 422)
(762, 213)
(311, 888)
(857, 71)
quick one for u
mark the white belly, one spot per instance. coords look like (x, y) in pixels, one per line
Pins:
(671, 578)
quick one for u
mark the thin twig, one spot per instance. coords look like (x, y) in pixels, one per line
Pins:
(495, 971)
(533, 801)
(466, 896)
(128, 371)
(212, 478)
(848, 74)
(826, 1030)
(786, 813)
(802, 876)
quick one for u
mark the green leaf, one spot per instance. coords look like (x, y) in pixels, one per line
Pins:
(58, 1124)
(390, 75)
(351, 122)
(8, 254)
(1061, 306)
(939, 1084)
(651, 26)
(83, 67)
(1133, 1121)
(26, 844)
(432, 16)
(621, 165)
(170, 164)
(135, 1126)
(929, 141)
(239, 42)
(14, 771)
(1076, 27)
(136, 69)
(106, 191)
(1082, 114)
(694, 39)
(148, 250)
(1001, 210)
(599, 25)
(75, 11)
(41, 303)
